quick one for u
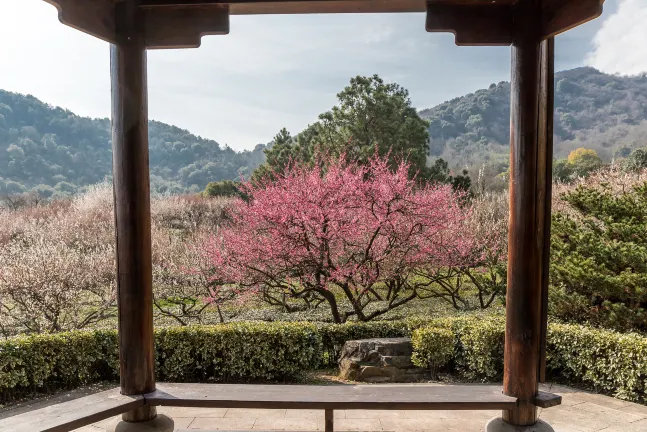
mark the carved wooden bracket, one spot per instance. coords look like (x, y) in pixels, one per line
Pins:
(488, 22)
(559, 16)
(183, 26)
(472, 24)
(181, 23)
(164, 27)
(95, 17)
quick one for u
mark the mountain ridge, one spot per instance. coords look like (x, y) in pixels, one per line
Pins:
(607, 113)
(54, 151)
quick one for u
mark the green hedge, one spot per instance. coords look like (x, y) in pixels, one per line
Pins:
(609, 361)
(202, 353)
(433, 347)
(53, 361)
(612, 362)
(249, 351)
(605, 360)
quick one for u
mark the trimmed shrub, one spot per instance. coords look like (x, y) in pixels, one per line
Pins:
(481, 349)
(237, 351)
(611, 362)
(56, 361)
(471, 345)
(478, 345)
(608, 361)
(433, 347)
(252, 350)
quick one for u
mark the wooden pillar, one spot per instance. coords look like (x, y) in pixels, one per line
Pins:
(132, 206)
(528, 236)
(545, 148)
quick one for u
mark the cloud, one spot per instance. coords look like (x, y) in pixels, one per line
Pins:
(621, 42)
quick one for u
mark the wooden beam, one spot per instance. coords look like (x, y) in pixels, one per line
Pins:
(132, 207)
(475, 22)
(263, 7)
(523, 299)
(547, 400)
(559, 16)
(472, 24)
(73, 414)
(546, 107)
(96, 17)
(332, 397)
(329, 420)
(166, 3)
(183, 27)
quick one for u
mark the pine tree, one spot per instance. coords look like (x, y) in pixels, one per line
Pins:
(599, 257)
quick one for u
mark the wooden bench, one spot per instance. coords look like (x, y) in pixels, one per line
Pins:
(73, 414)
(90, 409)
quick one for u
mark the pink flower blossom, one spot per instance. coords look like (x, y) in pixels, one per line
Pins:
(350, 227)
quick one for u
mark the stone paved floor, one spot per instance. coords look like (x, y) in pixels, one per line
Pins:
(579, 412)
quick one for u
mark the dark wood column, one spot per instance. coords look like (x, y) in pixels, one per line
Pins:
(132, 206)
(530, 186)
(545, 182)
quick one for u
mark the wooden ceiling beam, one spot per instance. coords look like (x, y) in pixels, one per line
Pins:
(472, 24)
(182, 23)
(183, 26)
(95, 17)
(164, 3)
(264, 7)
(270, 7)
(559, 16)
(491, 23)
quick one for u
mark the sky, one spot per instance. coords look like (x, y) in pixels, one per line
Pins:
(282, 71)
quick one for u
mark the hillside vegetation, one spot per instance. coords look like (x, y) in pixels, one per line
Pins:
(54, 151)
(606, 113)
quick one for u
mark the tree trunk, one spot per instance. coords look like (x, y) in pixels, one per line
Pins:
(332, 301)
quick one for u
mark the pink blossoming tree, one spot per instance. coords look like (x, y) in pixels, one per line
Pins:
(350, 232)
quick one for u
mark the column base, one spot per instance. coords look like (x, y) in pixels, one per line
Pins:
(160, 423)
(497, 424)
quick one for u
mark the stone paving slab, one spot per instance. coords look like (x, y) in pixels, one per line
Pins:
(580, 412)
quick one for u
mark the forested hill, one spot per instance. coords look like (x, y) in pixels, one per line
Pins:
(606, 113)
(54, 150)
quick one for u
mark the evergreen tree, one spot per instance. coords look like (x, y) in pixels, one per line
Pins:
(599, 257)
(371, 116)
(224, 188)
(636, 160)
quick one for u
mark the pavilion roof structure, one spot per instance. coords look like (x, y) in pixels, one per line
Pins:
(182, 23)
(528, 26)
